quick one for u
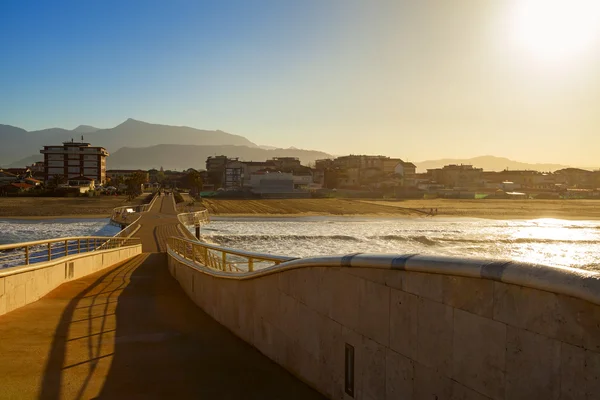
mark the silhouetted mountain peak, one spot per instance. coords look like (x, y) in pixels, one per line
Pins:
(85, 129)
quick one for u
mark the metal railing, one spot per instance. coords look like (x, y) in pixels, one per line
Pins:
(20, 254)
(197, 218)
(222, 258)
(120, 215)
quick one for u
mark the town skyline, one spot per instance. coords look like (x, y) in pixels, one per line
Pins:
(429, 79)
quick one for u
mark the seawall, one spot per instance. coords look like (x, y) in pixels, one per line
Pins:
(364, 330)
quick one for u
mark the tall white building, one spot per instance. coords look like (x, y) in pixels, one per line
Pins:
(75, 159)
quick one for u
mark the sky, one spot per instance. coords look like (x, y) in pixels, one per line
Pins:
(413, 79)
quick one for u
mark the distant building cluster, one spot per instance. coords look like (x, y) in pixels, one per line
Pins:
(80, 165)
(286, 175)
(466, 181)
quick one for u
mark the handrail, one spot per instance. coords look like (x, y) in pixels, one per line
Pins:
(575, 282)
(138, 209)
(578, 283)
(196, 218)
(61, 239)
(26, 253)
(221, 258)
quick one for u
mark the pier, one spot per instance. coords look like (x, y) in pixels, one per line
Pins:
(173, 317)
(130, 332)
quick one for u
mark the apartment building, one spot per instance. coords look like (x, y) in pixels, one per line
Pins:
(361, 170)
(75, 159)
(453, 176)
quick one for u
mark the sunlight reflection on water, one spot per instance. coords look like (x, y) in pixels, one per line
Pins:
(545, 241)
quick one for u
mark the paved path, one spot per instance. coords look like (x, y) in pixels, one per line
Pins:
(130, 332)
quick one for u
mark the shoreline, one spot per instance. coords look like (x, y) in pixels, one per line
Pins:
(47, 217)
(391, 216)
(29, 209)
(400, 217)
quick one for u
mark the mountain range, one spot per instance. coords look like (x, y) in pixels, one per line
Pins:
(132, 138)
(179, 157)
(488, 163)
(137, 144)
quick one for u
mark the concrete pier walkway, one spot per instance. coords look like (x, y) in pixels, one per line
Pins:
(130, 332)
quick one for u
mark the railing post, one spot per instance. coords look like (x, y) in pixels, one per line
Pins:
(224, 260)
(250, 264)
(193, 254)
(78, 246)
(66, 248)
(26, 255)
(49, 251)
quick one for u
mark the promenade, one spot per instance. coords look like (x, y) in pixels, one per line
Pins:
(130, 332)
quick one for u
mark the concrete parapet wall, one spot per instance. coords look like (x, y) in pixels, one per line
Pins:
(20, 286)
(416, 335)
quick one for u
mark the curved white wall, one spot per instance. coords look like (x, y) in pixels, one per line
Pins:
(415, 335)
(20, 286)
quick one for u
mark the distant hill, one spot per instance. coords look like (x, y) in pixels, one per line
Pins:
(180, 157)
(488, 163)
(17, 143)
(25, 162)
(85, 129)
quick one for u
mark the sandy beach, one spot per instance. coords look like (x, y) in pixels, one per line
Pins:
(63, 207)
(491, 209)
(101, 207)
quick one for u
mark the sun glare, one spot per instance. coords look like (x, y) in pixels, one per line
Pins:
(557, 31)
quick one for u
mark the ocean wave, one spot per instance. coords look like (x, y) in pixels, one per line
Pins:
(421, 239)
(238, 238)
(437, 240)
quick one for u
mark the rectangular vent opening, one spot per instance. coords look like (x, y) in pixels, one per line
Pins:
(349, 370)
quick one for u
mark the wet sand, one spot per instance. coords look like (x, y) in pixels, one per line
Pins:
(491, 209)
(62, 207)
(101, 207)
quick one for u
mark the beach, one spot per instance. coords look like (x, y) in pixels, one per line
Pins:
(63, 207)
(491, 209)
(101, 207)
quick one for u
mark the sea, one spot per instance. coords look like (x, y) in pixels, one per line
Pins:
(554, 242)
(27, 230)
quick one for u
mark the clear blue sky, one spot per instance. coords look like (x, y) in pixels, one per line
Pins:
(416, 79)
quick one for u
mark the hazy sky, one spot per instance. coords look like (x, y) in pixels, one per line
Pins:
(415, 79)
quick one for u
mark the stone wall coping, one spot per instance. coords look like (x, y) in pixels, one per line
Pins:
(579, 283)
(41, 265)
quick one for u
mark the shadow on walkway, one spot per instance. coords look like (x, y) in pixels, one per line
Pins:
(138, 336)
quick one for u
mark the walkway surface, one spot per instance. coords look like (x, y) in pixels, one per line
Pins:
(130, 332)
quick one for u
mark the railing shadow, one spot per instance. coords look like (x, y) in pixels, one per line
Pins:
(52, 379)
(162, 346)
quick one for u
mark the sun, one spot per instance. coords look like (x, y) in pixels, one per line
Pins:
(556, 31)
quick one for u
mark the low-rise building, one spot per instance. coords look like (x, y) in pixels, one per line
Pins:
(7, 177)
(576, 178)
(15, 188)
(263, 182)
(114, 174)
(463, 176)
(83, 183)
(359, 171)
